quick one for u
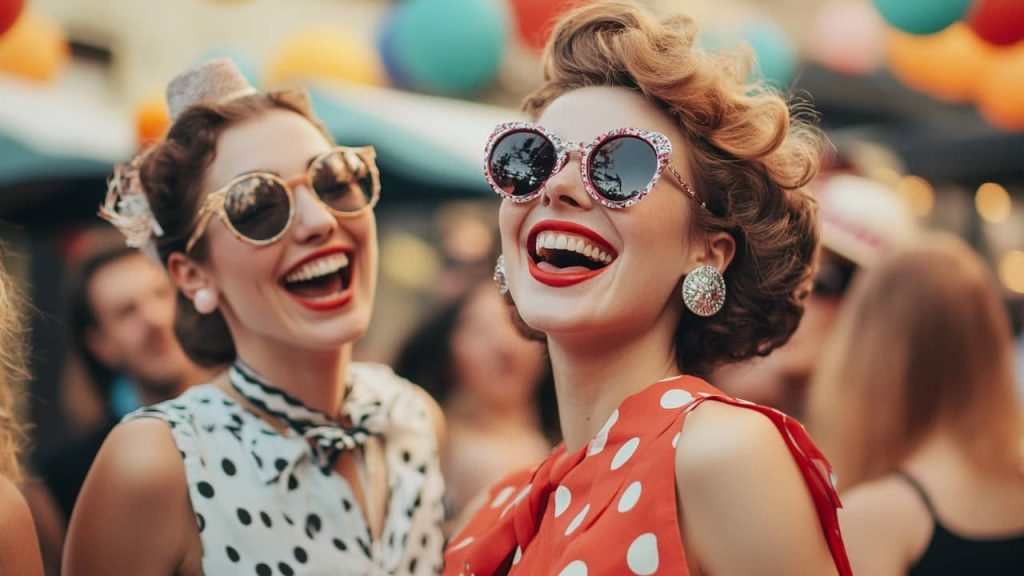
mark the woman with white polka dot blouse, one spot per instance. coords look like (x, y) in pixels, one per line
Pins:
(655, 223)
(296, 460)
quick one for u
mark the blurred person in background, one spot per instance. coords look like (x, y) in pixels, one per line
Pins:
(121, 323)
(914, 403)
(861, 220)
(297, 460)
(120, 316)
(19, 548)
(494, 386)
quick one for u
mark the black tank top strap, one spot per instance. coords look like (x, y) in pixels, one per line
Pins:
(913, 483)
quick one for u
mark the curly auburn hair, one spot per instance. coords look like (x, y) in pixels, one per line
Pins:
(12, 371)
(751, 156)
(172, 174)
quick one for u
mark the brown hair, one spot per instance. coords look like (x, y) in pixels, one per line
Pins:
(750, 157)
(12, 372)
(922, 343)
(172, 174)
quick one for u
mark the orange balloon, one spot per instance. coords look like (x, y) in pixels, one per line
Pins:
(948, 65)
(1001, 95)
(151, 120)
(325, 52)
(34, 47)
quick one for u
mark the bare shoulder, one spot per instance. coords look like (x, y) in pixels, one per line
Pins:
(19, 547)
(736, 476)
(885, 526)
(138, 475)
(140, 456)
(720, 438)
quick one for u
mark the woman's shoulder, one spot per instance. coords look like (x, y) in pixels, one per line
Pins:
(753, 472)
(141, 456)
(19, 548)
(404, 399)
(885, 525)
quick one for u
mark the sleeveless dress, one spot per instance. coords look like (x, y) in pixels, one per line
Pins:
(949, 553)
(609, 509)
(264, 506)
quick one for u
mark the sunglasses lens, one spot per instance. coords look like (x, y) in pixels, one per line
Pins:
(521, 162)
(623, 167)
(345, 181)
(258, 207)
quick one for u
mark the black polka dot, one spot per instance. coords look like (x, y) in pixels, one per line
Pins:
(312, 525)
(293, 482)
(259, 461)
(412, 566)
(301, 555)
(266, 519)
(425, 540)
(228, 466)
(237, 419)
(205, 489)
(288, 519)
(340, 545)
(280, 464)
(285, 569)
(406, 457)
(365, 547)
(232, 554)
(263, 570)
(201, 522)
(244, 517)
(346, 504)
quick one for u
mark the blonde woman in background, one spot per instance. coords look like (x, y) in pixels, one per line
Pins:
(914, 404)
(19, 548)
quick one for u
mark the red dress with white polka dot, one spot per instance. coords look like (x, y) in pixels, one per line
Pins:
(609, 509)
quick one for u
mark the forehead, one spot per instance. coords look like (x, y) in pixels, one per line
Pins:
(585, 113)
(121, 280)
(278, 141)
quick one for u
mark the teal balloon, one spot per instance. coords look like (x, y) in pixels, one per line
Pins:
(245, 64)
(775, 53)
(450, 47)
(922, 16)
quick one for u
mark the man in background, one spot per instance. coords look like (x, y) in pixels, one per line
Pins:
(121, 326)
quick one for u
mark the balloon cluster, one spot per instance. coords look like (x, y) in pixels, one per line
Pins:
(961, 51)
(32, 46)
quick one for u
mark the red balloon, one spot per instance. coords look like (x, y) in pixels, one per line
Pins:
(999, 22)
(9, 10)
(536, 18)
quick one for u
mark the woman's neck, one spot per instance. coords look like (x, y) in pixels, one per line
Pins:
(592, 379)
(315, 377)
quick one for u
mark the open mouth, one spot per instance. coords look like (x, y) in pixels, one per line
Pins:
(559, 251)
(566, 254)
(323, 280)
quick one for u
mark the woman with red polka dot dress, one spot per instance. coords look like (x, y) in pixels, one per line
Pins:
(655, 223)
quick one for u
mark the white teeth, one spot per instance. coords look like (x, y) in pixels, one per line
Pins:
(319, 267)
(572, 243)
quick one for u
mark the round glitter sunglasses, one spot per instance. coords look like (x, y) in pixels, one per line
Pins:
(618, 168)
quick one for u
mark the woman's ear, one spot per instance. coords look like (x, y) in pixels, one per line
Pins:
(718, 251)
(187, 275)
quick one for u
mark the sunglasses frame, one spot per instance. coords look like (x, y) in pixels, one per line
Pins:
(660, 143)
(214, 203)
